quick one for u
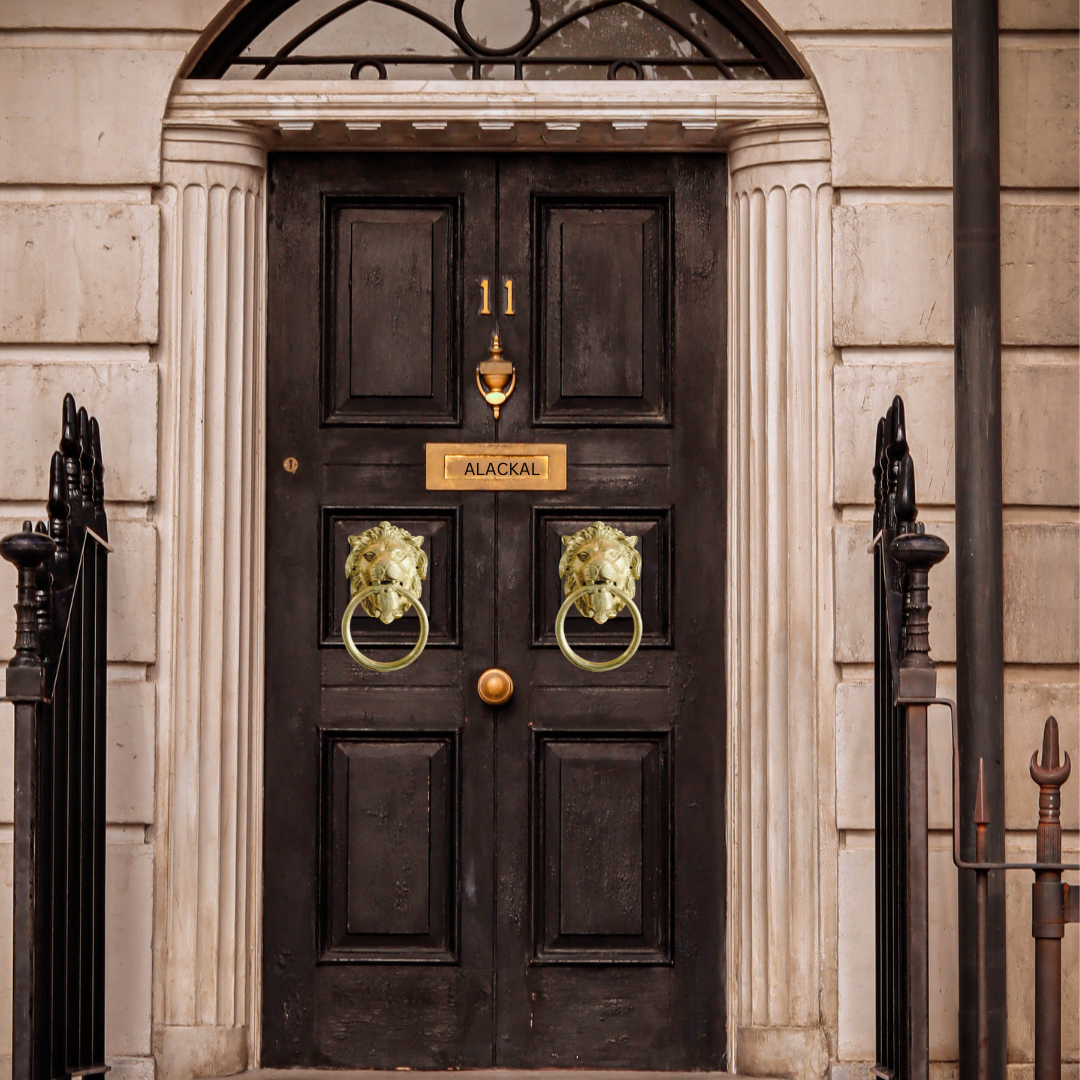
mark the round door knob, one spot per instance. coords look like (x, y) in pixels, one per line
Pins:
(495, 687)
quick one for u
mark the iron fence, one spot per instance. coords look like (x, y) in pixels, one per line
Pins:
(905, 685)
(57, 683)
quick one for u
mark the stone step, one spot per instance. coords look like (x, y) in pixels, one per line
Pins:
(478, 1074)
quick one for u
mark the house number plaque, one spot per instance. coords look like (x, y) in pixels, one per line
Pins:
(496, 467)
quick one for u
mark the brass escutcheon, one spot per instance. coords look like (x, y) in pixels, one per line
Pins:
(495, 687)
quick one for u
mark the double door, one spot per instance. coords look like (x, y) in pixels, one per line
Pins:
(447, 883)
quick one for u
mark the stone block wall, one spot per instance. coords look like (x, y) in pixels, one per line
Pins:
(885, 73)
(83, 88)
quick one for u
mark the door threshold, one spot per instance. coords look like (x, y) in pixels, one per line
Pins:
(479, 1074)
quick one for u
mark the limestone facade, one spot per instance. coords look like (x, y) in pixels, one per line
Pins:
(131, 229)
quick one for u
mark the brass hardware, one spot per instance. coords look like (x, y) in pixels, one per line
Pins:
(485, 307)
(291, 464)
(603, 591)
(495, 687)
(496, 466)
(385, 568)
(598, 570)
(495, 373)
(509, 296)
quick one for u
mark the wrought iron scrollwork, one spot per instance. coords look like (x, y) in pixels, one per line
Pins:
(703, 39)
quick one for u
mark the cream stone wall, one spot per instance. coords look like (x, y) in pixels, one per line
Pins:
(885, 72)
(84, 85)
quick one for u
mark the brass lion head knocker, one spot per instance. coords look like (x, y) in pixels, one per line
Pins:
(385, 567)
(598, 570)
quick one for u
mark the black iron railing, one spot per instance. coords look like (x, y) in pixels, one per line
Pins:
(57, 682)
(905, 685)
(903, 556)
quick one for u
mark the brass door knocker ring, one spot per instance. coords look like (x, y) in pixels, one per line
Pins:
(564, 645)
(386, 568)
(598, 569)
(388, 665)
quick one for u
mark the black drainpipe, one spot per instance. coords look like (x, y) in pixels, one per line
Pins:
(980, 659)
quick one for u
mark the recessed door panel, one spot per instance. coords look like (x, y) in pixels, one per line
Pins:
(602, 874)
(390, 882)
(603, 278)
(392, 351)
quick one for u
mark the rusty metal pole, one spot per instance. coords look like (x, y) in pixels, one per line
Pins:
(1048, 905)
(980, 688)
(982, 880)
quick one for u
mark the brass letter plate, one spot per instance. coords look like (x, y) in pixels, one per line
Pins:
(496, 466)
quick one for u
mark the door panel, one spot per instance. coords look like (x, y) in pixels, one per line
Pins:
(378, 791)
(603, 276)
(390, 879)
(393, 317)
(623, 864)
(602, 874)
(450, 885)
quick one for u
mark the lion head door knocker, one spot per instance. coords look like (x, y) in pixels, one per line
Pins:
(385, 568)
(598, 570)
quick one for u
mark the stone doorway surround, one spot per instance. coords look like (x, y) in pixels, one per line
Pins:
(781, 858)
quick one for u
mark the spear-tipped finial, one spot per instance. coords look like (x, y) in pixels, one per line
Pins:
(58, 507)
(69, 447)
(86, 456)
(982, 807)
(98, 471)
(906, 509)
(879, 447)
(69, 432)
(898, 445)
(879, 487)
(1049, 772)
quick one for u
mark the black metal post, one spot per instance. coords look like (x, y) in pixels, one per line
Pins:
(917, 553)
(905, 679)
(977, 392)
(28, 550)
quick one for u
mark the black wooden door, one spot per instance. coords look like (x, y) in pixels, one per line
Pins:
(610, 867)
(447, 884)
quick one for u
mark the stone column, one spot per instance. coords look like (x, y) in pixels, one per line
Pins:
(779, 596)
(210, 518)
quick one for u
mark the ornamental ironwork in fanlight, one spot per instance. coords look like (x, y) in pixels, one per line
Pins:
(496, 39)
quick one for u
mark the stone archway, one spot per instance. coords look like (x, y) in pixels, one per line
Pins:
(210, 843)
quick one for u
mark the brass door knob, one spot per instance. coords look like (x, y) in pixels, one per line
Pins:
(495, 687)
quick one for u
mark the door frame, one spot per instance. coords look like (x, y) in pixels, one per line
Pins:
(781, 988)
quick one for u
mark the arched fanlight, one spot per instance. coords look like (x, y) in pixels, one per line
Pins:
(496, 39)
